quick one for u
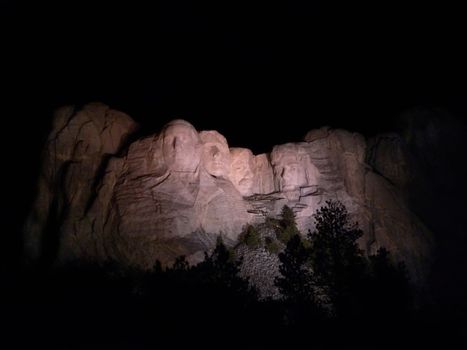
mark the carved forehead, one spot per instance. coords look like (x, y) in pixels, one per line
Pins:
(239, 153)
(289, 152)
(180, 126)
(213, 136)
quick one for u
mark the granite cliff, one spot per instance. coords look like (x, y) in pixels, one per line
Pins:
(102, 197)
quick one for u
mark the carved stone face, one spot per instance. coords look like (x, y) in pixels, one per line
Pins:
(181, 146)
(243, 170)
(216, 155)
(289, 170)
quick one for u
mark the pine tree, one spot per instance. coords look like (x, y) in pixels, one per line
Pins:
(181, 264)
(250, 237)
(297, 286)
(390, 283)
(296, 283)
(221, 270)
(338, 264)
(288, 226)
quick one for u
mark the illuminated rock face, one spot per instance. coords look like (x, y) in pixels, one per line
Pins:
(243, 171)
(181, 147)
(216, 154)
(173, 193)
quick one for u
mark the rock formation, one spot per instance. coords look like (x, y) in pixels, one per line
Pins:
(174, 192)
(75, 156)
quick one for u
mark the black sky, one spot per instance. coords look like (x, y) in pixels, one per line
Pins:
(282, 68)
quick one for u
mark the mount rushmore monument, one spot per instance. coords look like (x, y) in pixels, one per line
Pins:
(104, 194)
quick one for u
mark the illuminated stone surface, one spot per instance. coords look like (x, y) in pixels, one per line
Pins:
(243, 171)
(173, 193)
(216, 154)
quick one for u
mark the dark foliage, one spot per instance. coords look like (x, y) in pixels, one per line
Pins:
(338, 264)
(333, 297)
(296, 282)
(271, 245)
(250, 237)
(220, 270)
(328, 284)
(287, 227)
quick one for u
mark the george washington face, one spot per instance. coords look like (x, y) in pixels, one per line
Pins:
(181, 146)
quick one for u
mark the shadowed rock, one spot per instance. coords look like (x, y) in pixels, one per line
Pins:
(74, 157)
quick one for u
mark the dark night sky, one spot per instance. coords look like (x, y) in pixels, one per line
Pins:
(261, 74)
(224, 64)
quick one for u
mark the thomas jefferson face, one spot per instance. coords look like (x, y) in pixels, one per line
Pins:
(216, 155)
(181, 146)
(243, 170)
(288, 169)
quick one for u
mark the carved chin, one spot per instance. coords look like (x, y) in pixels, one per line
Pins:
(217, 169)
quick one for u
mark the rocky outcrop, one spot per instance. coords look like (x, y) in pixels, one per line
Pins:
(74, 158)
(261, 268)
(388, 156)
(173, 193)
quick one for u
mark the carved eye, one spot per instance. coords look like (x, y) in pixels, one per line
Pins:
(214, 151)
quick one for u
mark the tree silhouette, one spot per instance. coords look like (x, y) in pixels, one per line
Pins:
(337, 263)
(221, 270)
(390, 283)
(181, 264)
(287, 225)
(250, 237)
(296, 282)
